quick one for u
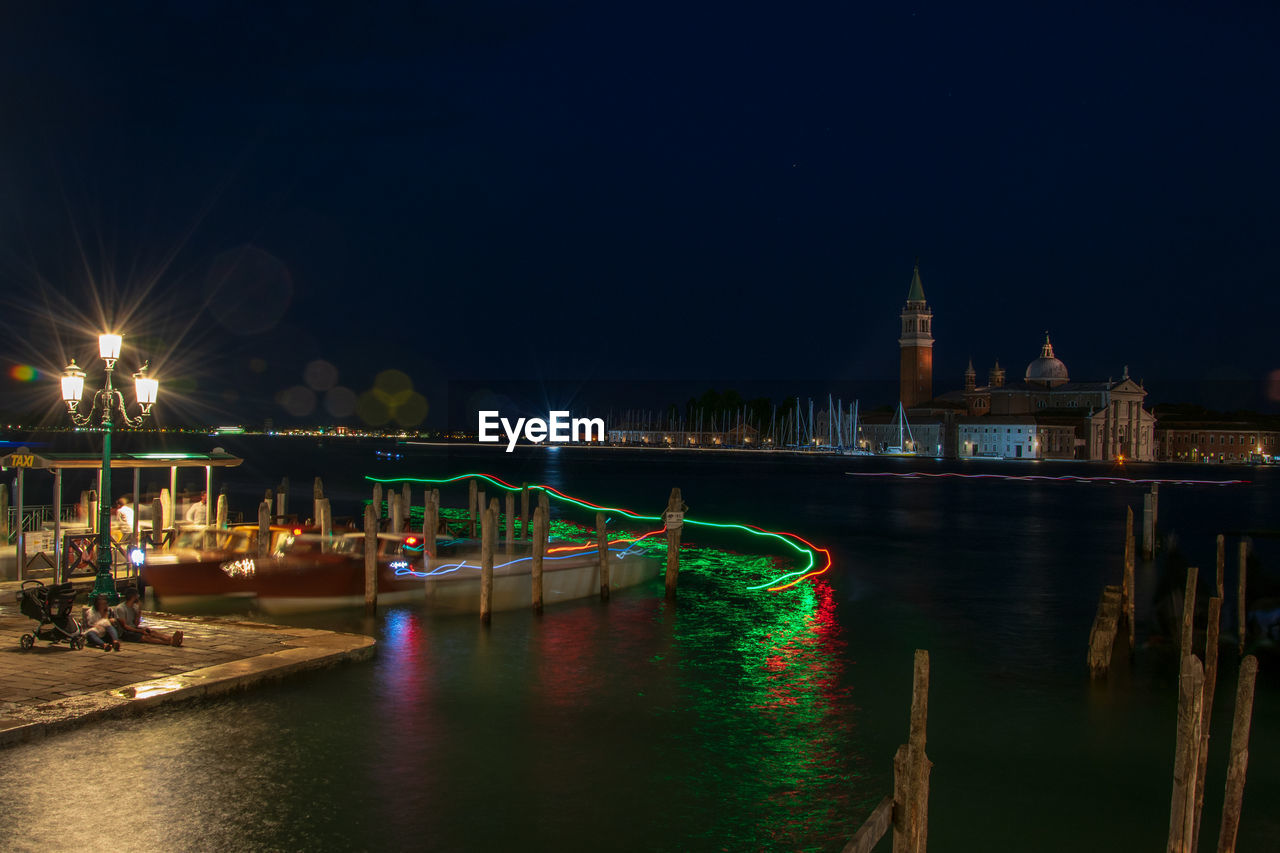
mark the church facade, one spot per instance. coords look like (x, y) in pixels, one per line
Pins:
(1044, 415)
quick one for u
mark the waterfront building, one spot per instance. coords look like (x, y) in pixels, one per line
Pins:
(1219, 440)
(1068, 419)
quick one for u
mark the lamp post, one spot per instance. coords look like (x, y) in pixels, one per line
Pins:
(111, 403)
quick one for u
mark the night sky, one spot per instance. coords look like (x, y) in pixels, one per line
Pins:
(275, 196)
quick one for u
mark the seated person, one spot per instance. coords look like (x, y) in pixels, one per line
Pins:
(99, 630)
(128, 616)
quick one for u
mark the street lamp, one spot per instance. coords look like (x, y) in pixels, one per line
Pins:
(111, 402)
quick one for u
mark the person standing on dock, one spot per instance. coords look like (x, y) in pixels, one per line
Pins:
(198, 512)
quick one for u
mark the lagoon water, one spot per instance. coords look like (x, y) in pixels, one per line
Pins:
(733, 720)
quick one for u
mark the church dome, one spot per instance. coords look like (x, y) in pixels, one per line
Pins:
(1047, 369)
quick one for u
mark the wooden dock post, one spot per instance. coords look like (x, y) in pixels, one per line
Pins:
(324, 521)
(1189, 610)
(395, 518)
(264, 528)
(673, 518)
(157, 522)
(282, 499)
(511, 522)
(1148, 527)
(539, 551)
(317, 492)
(370, 560)
(911, 769)
(1102, 636)
(1242, 616)
(482, 517)
(1186, 759)
(377, 502)
(1206, 715)
(1219, 563)
(222, 511)
(1130, 592)
(406, 505)
(524, 512)
(430, 525)
(602, 548)
(471, 507)
(544, 501)
(488, 540)
(4, 512)
(1239, 762)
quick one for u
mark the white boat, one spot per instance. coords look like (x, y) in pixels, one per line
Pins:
(453, 582)
(905, 446)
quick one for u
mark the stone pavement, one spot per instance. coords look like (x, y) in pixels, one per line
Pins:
(51, 687)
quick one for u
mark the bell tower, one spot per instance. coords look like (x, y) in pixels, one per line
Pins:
(915, 375)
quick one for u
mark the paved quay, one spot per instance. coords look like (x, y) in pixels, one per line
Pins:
(51, 688)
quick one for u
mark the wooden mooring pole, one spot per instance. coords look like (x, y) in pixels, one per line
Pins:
(524, 512)
(1189, 610)
(1148, 526)
(370, 560)
(488, 540)
(377, 502)
(1186, 759)
(1238, 763)
(264, 528)
(1241, 616)
(1206, 715)
(471, 508)
(673, 518)
(482, 517)
(510, 522)
(223, 510)
(1102, 636)
(602, 548)
(911, 770)
(539, 551)
(394, 517)
(430, 524)
(1130, 593)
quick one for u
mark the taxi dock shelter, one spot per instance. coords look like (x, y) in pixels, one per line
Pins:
(51, 552)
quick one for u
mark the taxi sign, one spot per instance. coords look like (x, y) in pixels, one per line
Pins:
(674, 520)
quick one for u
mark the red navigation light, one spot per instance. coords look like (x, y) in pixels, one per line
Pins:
(412, 540)
(297, 531)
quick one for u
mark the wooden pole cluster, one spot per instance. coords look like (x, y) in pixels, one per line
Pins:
(1102, 636)
(510, 522)
(488, 540)
(539, 552)
(602, 548)
(264, 528)
(1239, 760)
(1130, 592)
(674, 521)
(370, 559)
(911, 768)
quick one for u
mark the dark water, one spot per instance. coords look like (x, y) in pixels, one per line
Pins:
(735, 719)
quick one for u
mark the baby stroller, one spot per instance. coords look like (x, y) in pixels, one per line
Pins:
(51, 606)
